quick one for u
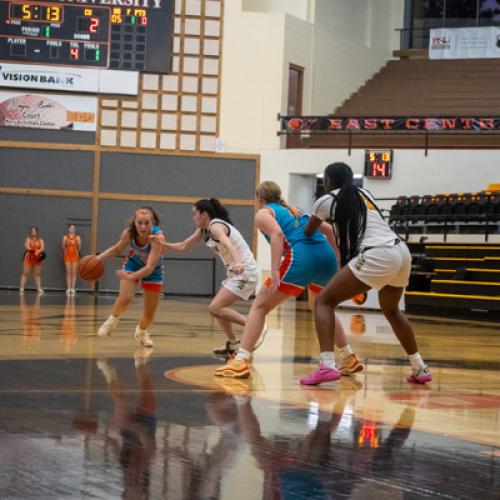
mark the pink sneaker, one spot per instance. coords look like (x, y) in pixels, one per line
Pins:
(322, 374)
(422, 376)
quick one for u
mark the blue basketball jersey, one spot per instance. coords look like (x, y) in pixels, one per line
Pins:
(138, 256)
(293, 224)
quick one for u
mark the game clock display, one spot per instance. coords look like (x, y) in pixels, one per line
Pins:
(88, 34)
(378, 163)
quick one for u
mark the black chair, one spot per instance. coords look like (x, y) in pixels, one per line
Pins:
(411, 207)
(435, 206)
(421, 209)
(479, 206)
(493, 207)
(396, 211)
(461, 207)
(448, 207)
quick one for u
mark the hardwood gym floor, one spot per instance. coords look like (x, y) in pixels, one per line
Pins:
(85, 417)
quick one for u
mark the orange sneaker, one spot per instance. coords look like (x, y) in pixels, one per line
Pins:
(350, 365)
(234, 368)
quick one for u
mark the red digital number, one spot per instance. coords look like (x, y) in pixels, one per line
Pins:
(144, 20)
(74, 53)
(379, 169)
(94, 24)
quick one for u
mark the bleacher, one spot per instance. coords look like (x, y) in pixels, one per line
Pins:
(421, 87)
(460, 213)
(452, 279)
(456, 280)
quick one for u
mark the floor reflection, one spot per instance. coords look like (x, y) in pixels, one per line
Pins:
(135, 424)
(30, 319)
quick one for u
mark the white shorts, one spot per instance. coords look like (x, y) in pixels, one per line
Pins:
(242, 285)
(381, 266)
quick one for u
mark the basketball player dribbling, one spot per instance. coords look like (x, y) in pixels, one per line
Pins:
(141, 265)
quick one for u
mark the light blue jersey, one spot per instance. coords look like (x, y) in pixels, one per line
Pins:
(138, 257)
(307, 260)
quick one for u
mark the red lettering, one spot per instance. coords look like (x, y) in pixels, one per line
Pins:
(370, 124)
(412, 123)
(467, 123)
(486, 123)
(352, 123)
(450, 123)
(334, 123)
(387, 123)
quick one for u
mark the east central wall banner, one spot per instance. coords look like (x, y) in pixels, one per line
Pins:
(48, 111)
(464, 43)
(290, 124)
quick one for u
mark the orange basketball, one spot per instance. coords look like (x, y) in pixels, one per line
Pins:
(90, 268)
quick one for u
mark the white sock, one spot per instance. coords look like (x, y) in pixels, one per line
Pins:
(243, 354)
(327, 358)
(416, 361)
(345, 351)
(234, 342)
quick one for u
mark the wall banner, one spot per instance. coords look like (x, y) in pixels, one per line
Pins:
(48, 111)
(291, 124)
(69, 79)
(464, 43)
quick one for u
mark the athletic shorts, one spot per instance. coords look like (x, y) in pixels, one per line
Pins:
(381, 266)
(242, 285)
(152, 282)
(306, 264)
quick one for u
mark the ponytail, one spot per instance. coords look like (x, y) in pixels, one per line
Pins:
(270, 192)
(214, 208)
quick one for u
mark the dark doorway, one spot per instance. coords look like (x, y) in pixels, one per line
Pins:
(294, 107)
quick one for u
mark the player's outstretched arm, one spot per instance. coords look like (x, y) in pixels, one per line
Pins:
(117, 248)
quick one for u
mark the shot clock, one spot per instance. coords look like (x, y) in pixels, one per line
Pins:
(378, 163)
(96, 34)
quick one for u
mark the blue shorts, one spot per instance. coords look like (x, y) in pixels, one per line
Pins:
(306, 264)
(153, 281)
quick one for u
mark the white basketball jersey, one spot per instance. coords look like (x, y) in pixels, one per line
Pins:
(246, 257)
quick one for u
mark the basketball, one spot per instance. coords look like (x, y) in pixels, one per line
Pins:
(90, 268)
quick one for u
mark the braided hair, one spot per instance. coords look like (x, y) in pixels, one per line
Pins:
(350, 210)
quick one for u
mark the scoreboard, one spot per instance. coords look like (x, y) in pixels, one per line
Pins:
(378, 163)
(93, 33)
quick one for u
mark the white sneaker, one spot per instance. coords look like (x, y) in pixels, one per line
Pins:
(21, 291)
(142, 337)
(72, 291)
(108, 326)
(260, 340)
(68, 291)
(40, 291)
